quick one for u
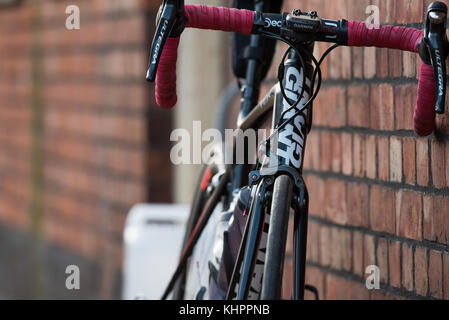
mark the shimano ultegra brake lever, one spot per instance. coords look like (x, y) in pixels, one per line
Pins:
(434, 49)
(170, 22)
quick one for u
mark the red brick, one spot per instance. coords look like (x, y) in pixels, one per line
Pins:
(406, 11)
(382, 67)
(369, 64)
(335, 109)
(436, 219)
(346, 63)
(287, 280)
(333, 288)
(358, 106)
(395, 159)
(408, 64)
(409, 162)
(438, 164)
(336, 201)
(356, 10)
(357, 60)
(320, 107)
(345, 244)
(382, 209)
(359, 153)
(421, 283)
(382, 111)
(422, 162)
(394, 263)
(313, 242)
(395, 62)
(357, 291)
(326, 150)
(315, 186)
(407, 267)
(310, 234)
(347, 153)
(315, 277)
(409, 214)
(418, 67)
(384, 295)
(405, 99)
(378, 295)
(335, 64)
(371, 158)
(320, 48)
(436, 274)
(340, 253)
(447, 164)
(388, 14)
(313, 148)
(383, 156)
(442, 123)
(446, 275)
(357, 201)
(369, 251)
(325, 254)
(357, 254)
(336, 152)
(382, 259)
(353, 290)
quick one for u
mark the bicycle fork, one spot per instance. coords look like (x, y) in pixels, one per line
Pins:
(300, 223)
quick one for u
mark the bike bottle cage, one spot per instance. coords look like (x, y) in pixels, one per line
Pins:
(171, 21)
(434, 49)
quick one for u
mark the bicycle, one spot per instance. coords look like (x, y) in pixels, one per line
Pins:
(275, 184)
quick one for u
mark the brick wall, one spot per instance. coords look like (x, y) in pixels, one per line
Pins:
(76, 147)
(379, 194)
(77, 150)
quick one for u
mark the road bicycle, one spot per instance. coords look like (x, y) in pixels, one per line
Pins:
(274, 186)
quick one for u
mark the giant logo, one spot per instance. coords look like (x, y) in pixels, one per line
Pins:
(291, 138)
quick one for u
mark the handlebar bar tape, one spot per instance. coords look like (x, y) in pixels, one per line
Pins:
(424, 117)
(200, 17)
(220, 18)
(166, 75)
(392, 37)
(406, 39)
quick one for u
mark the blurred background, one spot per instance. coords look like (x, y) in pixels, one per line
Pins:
(82, 141)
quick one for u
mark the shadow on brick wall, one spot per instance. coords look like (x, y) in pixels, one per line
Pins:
(35, 269)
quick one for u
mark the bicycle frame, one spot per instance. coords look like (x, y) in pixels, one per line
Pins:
(289, 149)
(284, 152)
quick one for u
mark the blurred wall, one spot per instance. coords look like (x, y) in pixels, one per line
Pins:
(203, 73)
(81, 141)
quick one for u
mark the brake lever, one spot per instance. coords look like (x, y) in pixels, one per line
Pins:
(171, 21)
(434, 49)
